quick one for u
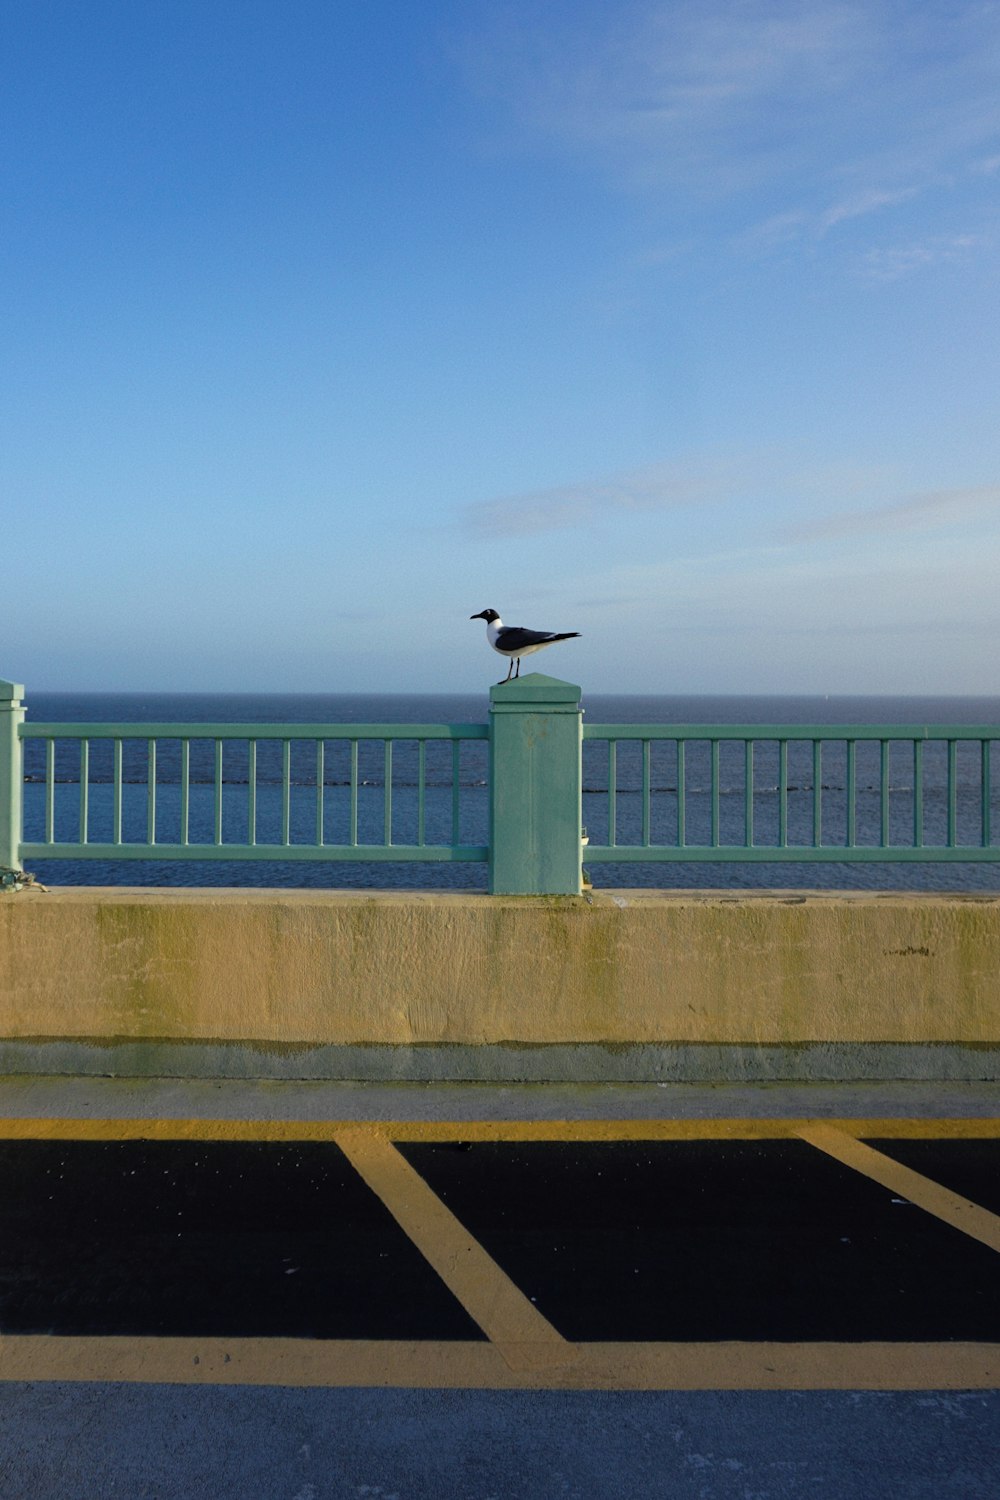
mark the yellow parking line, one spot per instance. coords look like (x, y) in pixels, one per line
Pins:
(430, 1131)
(455, 1365)
(681, 1130)
(972, 1220)
(524, 1338)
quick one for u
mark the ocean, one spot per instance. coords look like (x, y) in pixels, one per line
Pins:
(473, 708)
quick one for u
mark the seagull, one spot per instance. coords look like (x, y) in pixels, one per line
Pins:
(514, 642)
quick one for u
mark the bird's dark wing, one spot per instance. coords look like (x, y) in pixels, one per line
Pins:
(513, 638)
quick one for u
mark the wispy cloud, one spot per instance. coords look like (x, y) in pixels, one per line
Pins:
(788, 590)
(829, 113)
(660, 89)
(779, 230)
(930, 510)
(569, 506)
(813, 224)
(889, 263)
(697, 481)
(867, 202)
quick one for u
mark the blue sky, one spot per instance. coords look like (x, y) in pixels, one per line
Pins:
(325, 325)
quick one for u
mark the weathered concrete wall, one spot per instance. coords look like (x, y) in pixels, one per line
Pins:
(632, 983)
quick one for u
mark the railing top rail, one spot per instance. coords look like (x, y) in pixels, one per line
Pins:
(33, 729)
(791, 731)
(129, 731)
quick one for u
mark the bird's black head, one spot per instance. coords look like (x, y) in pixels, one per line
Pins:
(489, 615)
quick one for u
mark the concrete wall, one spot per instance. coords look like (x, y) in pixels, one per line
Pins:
(631, 984)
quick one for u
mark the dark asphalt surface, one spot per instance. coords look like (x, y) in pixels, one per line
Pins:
(620, 1240)
(715, 1240)
(238, 1239)
(657, 1240)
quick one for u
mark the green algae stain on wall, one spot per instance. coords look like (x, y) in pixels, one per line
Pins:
(148, 958)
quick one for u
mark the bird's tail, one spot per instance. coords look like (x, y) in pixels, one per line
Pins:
(566, 635)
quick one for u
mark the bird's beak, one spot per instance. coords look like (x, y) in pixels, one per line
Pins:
(481, 615)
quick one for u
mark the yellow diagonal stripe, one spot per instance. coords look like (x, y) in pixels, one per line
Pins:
(503, 1312)
(972, 1220)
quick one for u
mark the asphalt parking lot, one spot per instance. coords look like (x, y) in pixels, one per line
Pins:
(536, 1240)
(677, 1287)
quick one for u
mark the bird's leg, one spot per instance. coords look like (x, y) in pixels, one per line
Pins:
(509, 670)
(518, 672)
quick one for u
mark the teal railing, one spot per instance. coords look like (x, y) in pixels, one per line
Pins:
(779, 792)
(530, 792)
(239, 791)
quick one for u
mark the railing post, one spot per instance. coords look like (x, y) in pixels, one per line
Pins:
(536, 755)
(11, 775)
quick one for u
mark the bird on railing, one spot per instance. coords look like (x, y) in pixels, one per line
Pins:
(513, 641)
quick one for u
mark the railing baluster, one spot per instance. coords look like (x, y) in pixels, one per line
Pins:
(985, 792)
(387, 810)
(84, 788)
(252, 792)
(715, 794)
(185, 790)
(918, 794)
(852, 793)
(421, 793)
(354, 794)
(748, 793)
(218, 792)
(456, 784)
(151, 792)
(50, 791)
(952, 792)
(783, 794)
(320, 776)
(117, 774)
(681, 796)
(286, 791)
(645, 794)
(612, 791)
(817, 793)
(884, 794)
